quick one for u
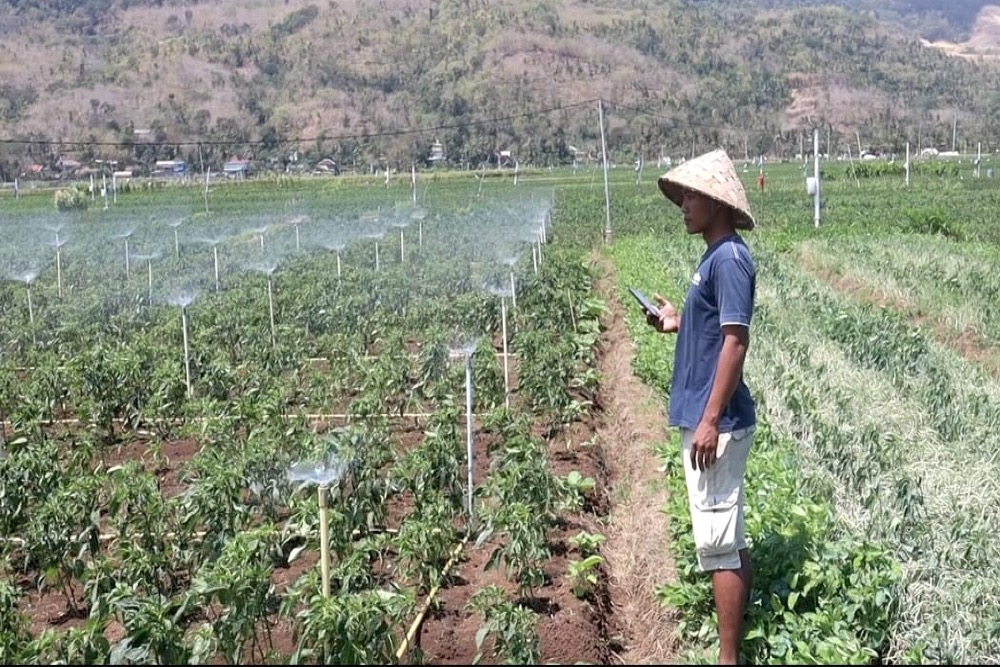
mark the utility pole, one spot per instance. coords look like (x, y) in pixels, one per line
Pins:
(604, 158)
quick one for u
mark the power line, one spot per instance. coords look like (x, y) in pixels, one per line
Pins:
(340, 137)
(686, 123)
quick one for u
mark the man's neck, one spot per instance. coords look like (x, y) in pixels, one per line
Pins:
(716, 233)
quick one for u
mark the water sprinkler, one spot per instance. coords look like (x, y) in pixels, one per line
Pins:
(337, 248)
(27, 278)
(183, 301)
(510, 262)
(419, 215)
(401, 225)
(296, 221)
(260, 232)
(215, 254)
(126, 236)
(149, 271)
(465, 351)
(177, 244)
(502, 293)
(324, 474)
(269, 271)
(376, 236)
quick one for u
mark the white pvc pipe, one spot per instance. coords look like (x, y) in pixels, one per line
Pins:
(187, 358)
(506, 370)
(468, 430)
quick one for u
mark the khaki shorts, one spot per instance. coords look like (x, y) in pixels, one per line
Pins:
(715, 497)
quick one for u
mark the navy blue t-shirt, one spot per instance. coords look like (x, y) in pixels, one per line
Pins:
(722, 292)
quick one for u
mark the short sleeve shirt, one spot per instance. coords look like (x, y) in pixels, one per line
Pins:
(722, 292)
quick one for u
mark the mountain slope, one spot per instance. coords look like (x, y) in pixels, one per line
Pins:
(931, 19)
(244, 71)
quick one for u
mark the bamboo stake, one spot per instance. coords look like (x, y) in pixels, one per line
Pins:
(415, 626)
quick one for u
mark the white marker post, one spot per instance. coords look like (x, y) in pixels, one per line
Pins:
(816, 195)
(907, 165)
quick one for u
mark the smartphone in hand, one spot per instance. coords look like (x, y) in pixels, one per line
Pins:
(646, 304)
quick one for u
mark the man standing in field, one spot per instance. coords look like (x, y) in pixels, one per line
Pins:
(709, 401)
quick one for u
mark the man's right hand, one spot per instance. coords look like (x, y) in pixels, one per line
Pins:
(668, 320)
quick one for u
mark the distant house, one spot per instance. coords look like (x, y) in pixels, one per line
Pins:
(66, 164)
(326, 166)
(437, 153)
(236, 168)
(170, 168)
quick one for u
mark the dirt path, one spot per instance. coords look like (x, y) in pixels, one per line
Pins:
(636, 549)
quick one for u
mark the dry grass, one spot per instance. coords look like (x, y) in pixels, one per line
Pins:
(636, 551)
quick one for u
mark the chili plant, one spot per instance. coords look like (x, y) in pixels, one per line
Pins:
(83, 645)
(64, 534)
(510, 625)
(425, 541)
(14, 625)
(236, 592)
(352, 629)
(153, 627)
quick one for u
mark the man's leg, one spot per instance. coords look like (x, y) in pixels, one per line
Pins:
(716, 501)
(732, 591)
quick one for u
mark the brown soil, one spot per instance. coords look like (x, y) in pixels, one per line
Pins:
(637, 550)
(624, 623)
(620, 623)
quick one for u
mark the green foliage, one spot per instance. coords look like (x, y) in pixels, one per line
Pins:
(71, 199)
(508, 631)
(587, 543)
(352, 629)
(933, 221)
(14, 625)
(584, 574)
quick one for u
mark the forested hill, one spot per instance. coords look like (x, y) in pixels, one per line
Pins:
(952, 20)
(345, 76)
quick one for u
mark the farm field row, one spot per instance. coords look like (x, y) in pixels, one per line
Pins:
(876, 463)
(189, 362)
(194, 440)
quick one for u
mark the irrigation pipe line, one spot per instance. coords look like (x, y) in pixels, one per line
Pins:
(415, 626)
(370, 357)
(108, 537)
(313, 416)
(308, 360)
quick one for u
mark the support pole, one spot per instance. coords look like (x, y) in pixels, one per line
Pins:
(816, 176)
(604, 159)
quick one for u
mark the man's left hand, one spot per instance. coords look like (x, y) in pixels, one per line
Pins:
(704, 444)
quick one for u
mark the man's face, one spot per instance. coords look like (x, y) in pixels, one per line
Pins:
(697, 210)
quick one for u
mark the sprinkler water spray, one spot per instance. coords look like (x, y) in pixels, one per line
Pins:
(419, 215)
(177, 243)
(149, 271)
(464, 351)
(127, 235)
(269, 270)
(183, 301)
(337, 248)
(324, 474)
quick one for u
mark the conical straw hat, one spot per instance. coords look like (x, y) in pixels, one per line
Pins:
(713, 175)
